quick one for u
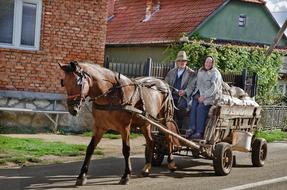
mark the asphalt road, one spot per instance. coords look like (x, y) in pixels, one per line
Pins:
(192, 174)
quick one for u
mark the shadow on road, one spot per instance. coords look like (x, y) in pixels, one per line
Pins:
(107, 172)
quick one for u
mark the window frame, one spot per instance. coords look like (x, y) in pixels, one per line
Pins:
(242, 20)
(17, 26)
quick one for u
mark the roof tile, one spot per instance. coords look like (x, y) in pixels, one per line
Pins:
(168, 24)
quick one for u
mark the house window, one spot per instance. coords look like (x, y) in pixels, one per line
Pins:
(282, 89)
(242, 20)
(20, 24)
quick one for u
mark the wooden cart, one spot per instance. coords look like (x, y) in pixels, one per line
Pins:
(229, 128)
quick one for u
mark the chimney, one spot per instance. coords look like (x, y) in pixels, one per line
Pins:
(152, 6)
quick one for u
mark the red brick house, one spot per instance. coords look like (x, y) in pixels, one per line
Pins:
(36, 35)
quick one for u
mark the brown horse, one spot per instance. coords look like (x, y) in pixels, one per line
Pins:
(117, 100)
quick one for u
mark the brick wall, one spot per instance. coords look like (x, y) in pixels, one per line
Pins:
(71, 30)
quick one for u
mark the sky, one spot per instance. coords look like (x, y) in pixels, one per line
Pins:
(279, 10)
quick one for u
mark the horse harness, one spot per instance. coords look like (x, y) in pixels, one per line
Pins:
(128, 106)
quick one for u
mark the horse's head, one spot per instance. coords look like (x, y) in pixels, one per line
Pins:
(76, 82)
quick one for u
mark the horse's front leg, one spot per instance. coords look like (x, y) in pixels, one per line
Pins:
(171, 163)
(82, 178)
(146, 130)
(126, 152)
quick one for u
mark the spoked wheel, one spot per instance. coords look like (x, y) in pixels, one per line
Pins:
(157, 156)
(222, 161)
(259, 152)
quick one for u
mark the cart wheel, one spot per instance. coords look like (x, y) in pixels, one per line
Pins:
(157, 156)
(222, 159)
(259, 152)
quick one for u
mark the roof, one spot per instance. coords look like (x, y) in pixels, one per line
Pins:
(255, 1)
(167, 25)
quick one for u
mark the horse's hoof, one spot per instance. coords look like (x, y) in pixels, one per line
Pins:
(145, 174)
(172, 169)
(81, 181)
(171, 166)
(146, 170)
(124, 181)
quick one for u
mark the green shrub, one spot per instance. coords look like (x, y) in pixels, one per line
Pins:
(236, 58)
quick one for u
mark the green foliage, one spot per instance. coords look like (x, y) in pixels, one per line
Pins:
(231, 58)
(21, 150)
(112, 135)
(270, 136)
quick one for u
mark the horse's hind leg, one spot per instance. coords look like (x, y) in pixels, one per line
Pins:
(82, 178)
(171, 141)
(126, 152)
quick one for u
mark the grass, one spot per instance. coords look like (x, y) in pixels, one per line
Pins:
(22, 150)
(111, 135)
(270, 136)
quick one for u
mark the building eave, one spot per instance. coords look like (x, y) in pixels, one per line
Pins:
(147, 43)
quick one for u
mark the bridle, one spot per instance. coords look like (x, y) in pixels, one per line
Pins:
(78, 99)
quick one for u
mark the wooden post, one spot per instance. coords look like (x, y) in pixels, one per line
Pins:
(277, 38)
(173, 65)
(107, 63)
(148, 67)
(254, 85)
(243, 79)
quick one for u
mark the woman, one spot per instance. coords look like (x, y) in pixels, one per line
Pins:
(208, 90)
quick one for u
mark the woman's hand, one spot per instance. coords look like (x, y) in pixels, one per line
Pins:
(201, 99)
(181, 92)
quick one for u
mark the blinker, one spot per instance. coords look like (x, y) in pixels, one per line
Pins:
(62, 83)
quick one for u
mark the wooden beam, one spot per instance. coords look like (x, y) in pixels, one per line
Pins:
(277, 38)
(188, 143)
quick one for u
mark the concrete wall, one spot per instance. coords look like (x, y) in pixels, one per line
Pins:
(28, 122)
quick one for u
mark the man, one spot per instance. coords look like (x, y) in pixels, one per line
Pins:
(182, 81)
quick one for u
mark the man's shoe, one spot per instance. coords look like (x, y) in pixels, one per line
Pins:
(189, 133)
(197, 136)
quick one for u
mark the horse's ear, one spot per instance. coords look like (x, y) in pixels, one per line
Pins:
(75, 66)
(62, 66)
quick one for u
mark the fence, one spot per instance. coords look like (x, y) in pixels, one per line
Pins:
(147, 68)
(274, 117)
(159, 70)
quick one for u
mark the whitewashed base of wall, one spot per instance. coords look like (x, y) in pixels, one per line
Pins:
(40, 116)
